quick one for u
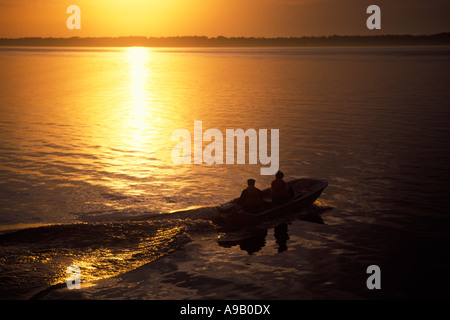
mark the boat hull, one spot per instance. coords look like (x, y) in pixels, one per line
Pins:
(304, 193)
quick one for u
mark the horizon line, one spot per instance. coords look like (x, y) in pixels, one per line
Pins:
(232, 37)
(438, 39)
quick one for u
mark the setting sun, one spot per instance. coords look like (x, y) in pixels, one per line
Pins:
(258, 18)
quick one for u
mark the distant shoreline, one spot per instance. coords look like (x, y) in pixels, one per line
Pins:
(440, 39)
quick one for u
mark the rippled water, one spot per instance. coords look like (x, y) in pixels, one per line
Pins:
(85, 137)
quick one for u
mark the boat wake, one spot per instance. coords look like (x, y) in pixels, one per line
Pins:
(35, 259)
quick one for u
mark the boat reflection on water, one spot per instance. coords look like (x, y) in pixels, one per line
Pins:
(281, 235)
(251, 244)
(253, 241)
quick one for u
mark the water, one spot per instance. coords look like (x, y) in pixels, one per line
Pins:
(85, 140)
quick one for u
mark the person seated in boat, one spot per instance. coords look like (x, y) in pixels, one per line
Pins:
(279, 190)
(251, 197)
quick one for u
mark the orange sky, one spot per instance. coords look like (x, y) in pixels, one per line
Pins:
(268, 18)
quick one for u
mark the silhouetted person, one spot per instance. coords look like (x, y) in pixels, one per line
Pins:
(251, 197)
(279, 190)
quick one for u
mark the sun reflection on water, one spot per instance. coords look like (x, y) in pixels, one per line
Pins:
(132, 133)
(140, 105)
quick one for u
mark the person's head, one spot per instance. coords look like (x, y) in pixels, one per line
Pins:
(251, 182)
(279, 175)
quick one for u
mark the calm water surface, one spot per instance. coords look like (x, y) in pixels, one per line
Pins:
(85, 136)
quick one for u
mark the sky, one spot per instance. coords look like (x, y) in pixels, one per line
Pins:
(258, 18)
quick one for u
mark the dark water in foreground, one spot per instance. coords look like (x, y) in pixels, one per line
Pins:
(88, 155)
